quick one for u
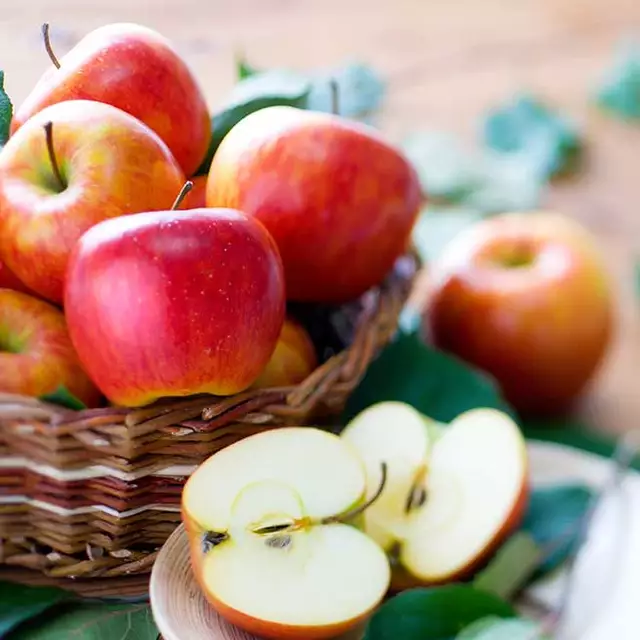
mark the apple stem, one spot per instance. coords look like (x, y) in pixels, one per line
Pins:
(48, 130)
(349, 515)
(335, 96)
(48, 47)
(186, 187)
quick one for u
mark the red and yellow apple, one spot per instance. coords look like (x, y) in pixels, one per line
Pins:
(108, 164)
(195, 199)
(272, 547)
(524, 296)
(36, 355)
(453, 493)
(9, 280)
(339, 200)
(175, 303)
(137, 70)
(292, 361)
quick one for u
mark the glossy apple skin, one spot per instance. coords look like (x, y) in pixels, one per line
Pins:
(114, 165)
(261, 628)
(195, 199)
(137, 70)
(175, 303)
(9, 280)
(36, 355)
(293, 360)
(338, 199)
(540, 329)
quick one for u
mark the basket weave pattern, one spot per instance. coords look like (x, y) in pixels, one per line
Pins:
(95, 493)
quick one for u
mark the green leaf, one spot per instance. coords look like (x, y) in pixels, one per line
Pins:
(619, 90)
(549, 141)
(494, 628)
(266, 89)
(439, 613)
(553, 520)
(6, 112)
(244, 69)
(19, 603)
(437, 384)
(94, 622)
(63, 397)
(511, 568)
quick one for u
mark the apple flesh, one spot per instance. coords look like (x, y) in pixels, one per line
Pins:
(339, 200)
(525, 297)
(453, 492)
(111, 164)
(293, 360)
(175, 303)
(36, 355)
(137, 70)
(270, 546)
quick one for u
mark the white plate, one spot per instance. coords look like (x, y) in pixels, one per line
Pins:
(605, 597)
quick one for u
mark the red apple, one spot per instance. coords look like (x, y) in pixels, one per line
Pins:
(9, 280)
(175, 303)
(36, 355)
(292, 361)
(339, 200)
(195, 198)
(524, 296)
(137, 70)
(109, 163)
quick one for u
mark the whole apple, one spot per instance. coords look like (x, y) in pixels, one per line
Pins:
(524, 296)
(339, 200)
(101, 163)
(137, 70)
(175, 303)
(36, 355)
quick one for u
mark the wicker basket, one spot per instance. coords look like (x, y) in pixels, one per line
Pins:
(95, 493)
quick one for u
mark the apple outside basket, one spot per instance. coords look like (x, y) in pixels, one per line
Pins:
(94, 494)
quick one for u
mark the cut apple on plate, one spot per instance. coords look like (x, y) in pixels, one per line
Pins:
(272, 547)
(452, 493)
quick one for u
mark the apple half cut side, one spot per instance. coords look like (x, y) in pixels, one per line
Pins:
(271, 544)
(453, 492)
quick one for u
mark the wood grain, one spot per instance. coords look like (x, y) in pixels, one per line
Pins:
(446, 62)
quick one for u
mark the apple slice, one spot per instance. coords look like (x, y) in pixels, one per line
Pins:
(453, 493)
(270, 544)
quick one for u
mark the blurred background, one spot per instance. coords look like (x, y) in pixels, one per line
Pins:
(444, 63)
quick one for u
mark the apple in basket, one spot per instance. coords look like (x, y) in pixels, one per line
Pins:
(270, 540)
(453, 493)
(69, 167)
(36, 355)
(137, 70)
(175, 303)
(338, 198)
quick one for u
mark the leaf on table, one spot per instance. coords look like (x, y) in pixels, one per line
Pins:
(439, 385)
(494, 628)
(6, 112)
(619, 90)
(553, 519)
(94, 622)
(265, 89)
(438, 613)
(512, 567)
(549, 141)
(19, 603)
(63, 397)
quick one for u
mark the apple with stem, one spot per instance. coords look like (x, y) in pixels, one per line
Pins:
(272, 547)
(195, 199)
(527, 298)
(453, 493)
(137, 70)
(338, 198)
(72, 165)
(36, 354)
(293, 359)
(175, 303)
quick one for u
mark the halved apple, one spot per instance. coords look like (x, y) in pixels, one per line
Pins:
(270, 544)
(452, 493)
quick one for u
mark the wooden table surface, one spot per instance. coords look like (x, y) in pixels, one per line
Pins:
(446, 61)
